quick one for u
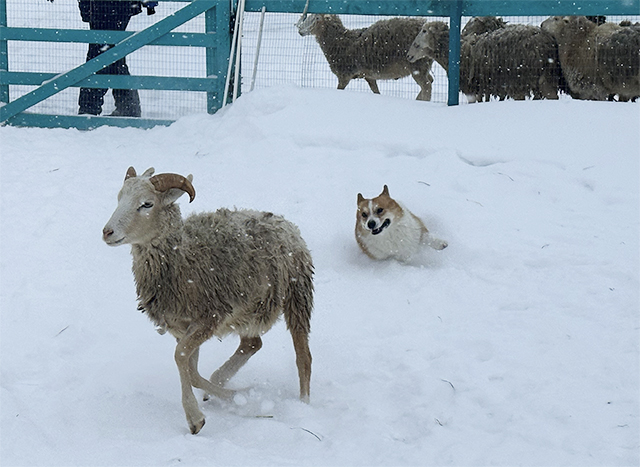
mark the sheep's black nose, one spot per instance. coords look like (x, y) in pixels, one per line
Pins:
(371, 224)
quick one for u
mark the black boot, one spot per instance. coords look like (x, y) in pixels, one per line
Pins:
(127, 103)
(90, 101)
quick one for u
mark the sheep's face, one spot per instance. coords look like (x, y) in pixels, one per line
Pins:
(141, 202)
(425, 43)
(555, 24)
(306, 26)
(316, 24)
(565, 27)
(134, 219)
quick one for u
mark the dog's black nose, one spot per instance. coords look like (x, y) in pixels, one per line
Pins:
(371, 224)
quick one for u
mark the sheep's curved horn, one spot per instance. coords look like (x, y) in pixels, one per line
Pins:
(164, 182)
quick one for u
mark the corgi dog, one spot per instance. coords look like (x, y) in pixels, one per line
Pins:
(387, 229)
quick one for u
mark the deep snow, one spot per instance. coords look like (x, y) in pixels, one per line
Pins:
(517, 345)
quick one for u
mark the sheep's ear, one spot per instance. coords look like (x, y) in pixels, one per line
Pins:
(385, 191)
(149, 172)
(360, 198)
(131, 172)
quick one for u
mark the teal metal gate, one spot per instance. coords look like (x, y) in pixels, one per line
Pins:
(217, 41)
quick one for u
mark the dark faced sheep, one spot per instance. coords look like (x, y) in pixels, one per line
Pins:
(373, 53)
(598, 61)
(213, 274)
(499, 60)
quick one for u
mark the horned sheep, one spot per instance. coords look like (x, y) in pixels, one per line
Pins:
(378, 52)
(496, 59)
(598, 61)
(213, 274)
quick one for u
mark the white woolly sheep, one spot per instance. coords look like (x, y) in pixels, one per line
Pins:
(598, 61)
(376, 52)
(213, 274)
(499, 60)
(481, 25)
(433, 42)
(629, 24)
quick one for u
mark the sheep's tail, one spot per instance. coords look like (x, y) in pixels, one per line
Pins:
(299, 300)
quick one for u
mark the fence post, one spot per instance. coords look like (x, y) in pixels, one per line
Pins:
(455, 21)
(217, 21)
(4, 53)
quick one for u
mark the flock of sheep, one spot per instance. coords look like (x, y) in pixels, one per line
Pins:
(585, 57)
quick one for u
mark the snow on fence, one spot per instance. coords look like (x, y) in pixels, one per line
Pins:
(285, 56)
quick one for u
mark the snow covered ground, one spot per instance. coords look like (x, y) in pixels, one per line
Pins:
(517, 345)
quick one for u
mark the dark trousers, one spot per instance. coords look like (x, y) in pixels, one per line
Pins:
(91, 99)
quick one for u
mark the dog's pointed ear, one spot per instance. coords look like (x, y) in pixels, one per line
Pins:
(385, 191)
(360, 198)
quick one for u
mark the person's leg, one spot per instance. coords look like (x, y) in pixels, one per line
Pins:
(127, 100)
(90, 100)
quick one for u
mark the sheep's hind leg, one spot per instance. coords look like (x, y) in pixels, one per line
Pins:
(303, 362)
(193, 367)
(373, 85)
(247, 348)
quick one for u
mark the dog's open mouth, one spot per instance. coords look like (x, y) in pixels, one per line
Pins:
(385, 224)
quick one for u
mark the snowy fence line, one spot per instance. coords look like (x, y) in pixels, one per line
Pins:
(200, 36)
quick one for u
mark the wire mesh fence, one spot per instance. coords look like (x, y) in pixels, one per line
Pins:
(53, 57)
(285, 57)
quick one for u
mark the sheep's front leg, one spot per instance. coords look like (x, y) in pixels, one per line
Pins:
(425, 81)
(186, 356)
(185, 349)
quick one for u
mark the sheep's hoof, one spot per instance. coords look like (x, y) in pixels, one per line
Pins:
(195, 428)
